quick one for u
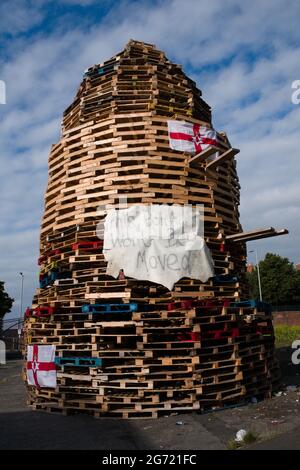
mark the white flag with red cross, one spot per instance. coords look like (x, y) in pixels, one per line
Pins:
(41, 370)
(190, 137)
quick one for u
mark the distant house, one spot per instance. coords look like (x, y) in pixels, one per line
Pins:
(11, 339)
(250, 268)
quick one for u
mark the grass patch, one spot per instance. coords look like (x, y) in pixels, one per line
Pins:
(248, 439)
(233, 445)
(285, 335)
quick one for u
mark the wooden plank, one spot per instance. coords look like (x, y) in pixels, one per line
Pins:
(256, 234)
(222, 158)
(202, 156)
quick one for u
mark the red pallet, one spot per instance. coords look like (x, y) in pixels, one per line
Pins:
(87, 245)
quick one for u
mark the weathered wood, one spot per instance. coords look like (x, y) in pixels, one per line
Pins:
(230, 153)
(256, 234)
(129, 348)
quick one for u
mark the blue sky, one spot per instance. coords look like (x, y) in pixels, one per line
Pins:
(243, 55)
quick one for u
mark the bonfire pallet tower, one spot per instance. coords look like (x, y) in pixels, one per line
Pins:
(130, 348)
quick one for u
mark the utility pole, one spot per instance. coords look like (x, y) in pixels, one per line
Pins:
(21, 306)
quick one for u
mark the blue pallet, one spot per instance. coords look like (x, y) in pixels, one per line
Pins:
(225, 279)
(110, 308)
(78, 361)
(44, 283)
(252, 304)
(105, 69)
(52, 276)
(99, 71)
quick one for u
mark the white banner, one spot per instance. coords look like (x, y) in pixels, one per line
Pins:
(158, 243)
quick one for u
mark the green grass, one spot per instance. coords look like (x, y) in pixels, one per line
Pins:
(285, 335)
(248, 439)
(233, 445)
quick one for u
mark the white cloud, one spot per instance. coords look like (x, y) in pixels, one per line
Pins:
(18, 16)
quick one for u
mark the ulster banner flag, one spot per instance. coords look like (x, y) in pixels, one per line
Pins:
(189, 137)
(41, 370)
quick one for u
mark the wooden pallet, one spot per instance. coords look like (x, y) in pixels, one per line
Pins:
(128, 348)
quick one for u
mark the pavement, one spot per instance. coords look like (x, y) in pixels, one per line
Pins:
(288, 441)
(274, 422)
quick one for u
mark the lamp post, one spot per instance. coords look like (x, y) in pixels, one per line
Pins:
(21, 305)
(258, 273)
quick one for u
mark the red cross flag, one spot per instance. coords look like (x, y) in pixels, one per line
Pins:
(189, 137)
(41, 370)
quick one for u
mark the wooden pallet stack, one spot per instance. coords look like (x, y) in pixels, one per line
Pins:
(133, 348)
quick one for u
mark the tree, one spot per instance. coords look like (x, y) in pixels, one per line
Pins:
(280, 281)
(5, 301)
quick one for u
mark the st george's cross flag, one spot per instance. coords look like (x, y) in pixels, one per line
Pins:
(41, 370)
(189, 137)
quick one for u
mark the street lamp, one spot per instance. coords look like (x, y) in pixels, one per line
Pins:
(21, 304)
(258, 273)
